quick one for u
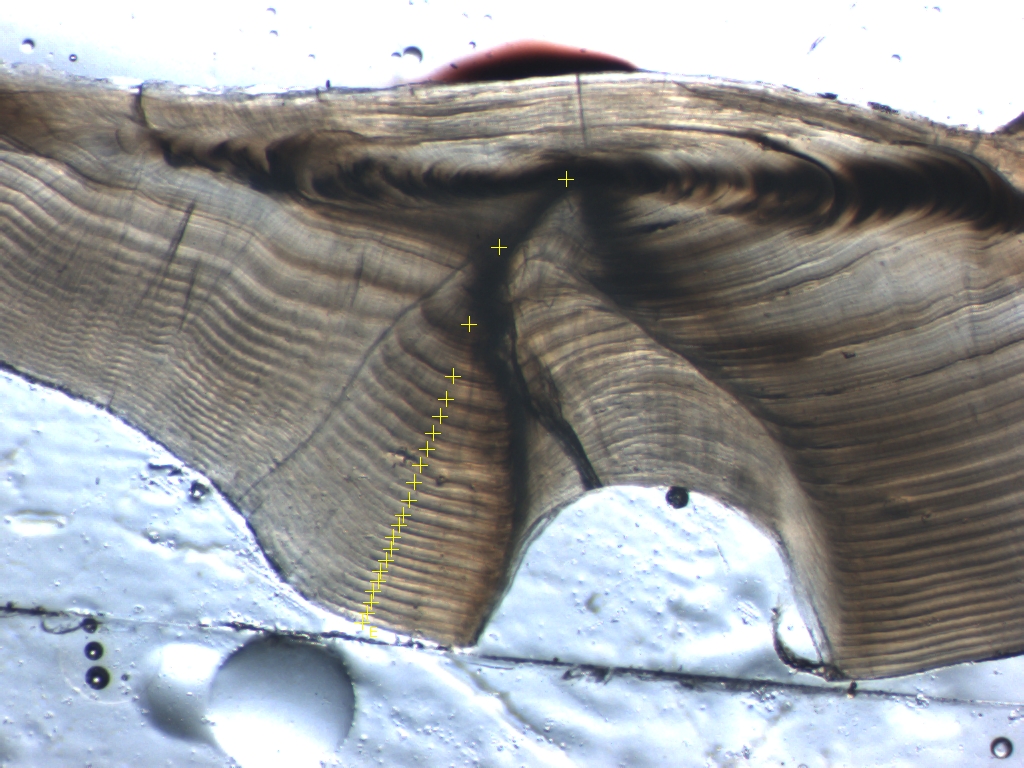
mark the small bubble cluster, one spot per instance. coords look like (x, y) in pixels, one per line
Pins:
(96, 677)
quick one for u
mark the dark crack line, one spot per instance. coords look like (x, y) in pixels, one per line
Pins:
(571, 670)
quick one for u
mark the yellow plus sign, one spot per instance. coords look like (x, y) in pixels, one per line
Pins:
(408, 498)
(499, 247)
(567, 179)
(426, 449)
(433, 432)
(420, 464)
(446, 399)
(415, 483)
(469, 325)
(453, 376)
(440, 415)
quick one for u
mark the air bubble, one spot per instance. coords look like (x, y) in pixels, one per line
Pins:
(1002, 747)
(412, 50)
(89, 624)
(97, 678)
(73, 58)
(28, 45)
(93, 651)
(277, 697)
(197, 490)
(678, 496)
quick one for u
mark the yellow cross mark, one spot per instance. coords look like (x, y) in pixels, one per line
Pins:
(499, 247)
(567, 179)
(377, 580)
(469, 325)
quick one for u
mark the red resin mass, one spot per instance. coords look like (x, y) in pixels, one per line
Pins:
(528, 58)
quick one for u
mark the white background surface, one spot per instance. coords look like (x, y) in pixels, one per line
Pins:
(95, 520)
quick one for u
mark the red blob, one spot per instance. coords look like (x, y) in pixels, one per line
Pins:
(528, 58)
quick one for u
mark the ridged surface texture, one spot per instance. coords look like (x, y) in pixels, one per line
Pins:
(804, 309)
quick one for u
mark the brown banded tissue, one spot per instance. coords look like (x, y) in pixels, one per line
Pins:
(805, 309)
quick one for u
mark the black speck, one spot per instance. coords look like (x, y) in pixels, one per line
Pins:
(829, 95)
(328, 85)
(97, 678)
(897, 57)
(89, 624)
(412, 50)
(93, 651)
(172, 470)
(884, 108)
(125, 677)
(198, 490)
(849, 355)
(677, 496)
(852, 690)
(816, 43)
